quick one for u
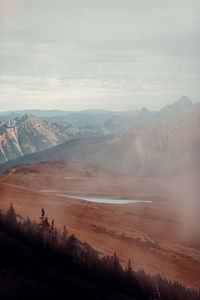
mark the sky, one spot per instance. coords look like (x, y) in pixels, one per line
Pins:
(91, 54)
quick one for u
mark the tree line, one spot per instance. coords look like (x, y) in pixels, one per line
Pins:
(73, 257)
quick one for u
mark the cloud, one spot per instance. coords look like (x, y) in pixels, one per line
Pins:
(10, 9)
(125, 47)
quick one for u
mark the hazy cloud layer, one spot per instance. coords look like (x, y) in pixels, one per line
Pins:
(109, 54)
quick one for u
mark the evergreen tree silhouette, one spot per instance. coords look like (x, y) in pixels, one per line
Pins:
(45, 227)
(11, 216)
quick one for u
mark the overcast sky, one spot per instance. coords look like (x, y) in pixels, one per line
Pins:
(111, 54)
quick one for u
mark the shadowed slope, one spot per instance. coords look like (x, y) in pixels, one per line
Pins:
(153, 149)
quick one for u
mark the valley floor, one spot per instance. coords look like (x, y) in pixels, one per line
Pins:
(160, 237)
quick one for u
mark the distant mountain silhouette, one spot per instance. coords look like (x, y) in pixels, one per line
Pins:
(183, 105)
(76, 118)
(122, 122)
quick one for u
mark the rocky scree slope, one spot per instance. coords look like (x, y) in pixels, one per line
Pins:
(30, 134)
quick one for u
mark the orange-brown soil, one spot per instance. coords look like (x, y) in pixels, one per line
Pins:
(159, 237)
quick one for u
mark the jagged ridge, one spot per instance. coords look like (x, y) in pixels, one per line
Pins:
(30, 134)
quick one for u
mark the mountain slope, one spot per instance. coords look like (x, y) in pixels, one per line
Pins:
(157, 148)
(123, 122)
(29, 135)
(183, 105)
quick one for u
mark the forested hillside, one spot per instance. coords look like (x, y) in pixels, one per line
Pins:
(38, 261)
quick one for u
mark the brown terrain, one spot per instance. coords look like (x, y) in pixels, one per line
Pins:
(162, 236)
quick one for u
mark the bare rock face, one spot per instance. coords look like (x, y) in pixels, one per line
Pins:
(183, 105)
(155, 149)
(163, 143)
(173, 111)
(29, 135)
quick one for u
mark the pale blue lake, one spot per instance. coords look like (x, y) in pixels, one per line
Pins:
(107, 200)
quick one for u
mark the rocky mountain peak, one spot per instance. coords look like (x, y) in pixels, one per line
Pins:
(145, 115)
(183, 101)
(144, 108)
(28, 116)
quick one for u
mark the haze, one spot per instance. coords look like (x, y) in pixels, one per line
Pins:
(116, 55)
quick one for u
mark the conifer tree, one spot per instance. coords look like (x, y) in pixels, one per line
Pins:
(64, 234)
(45, 227)
(129, 270)
(11, 216)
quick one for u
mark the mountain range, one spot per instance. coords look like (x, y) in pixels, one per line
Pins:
(128, 142)
(153, 149)
(30, 134)
(107, 120)
(122, 122)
